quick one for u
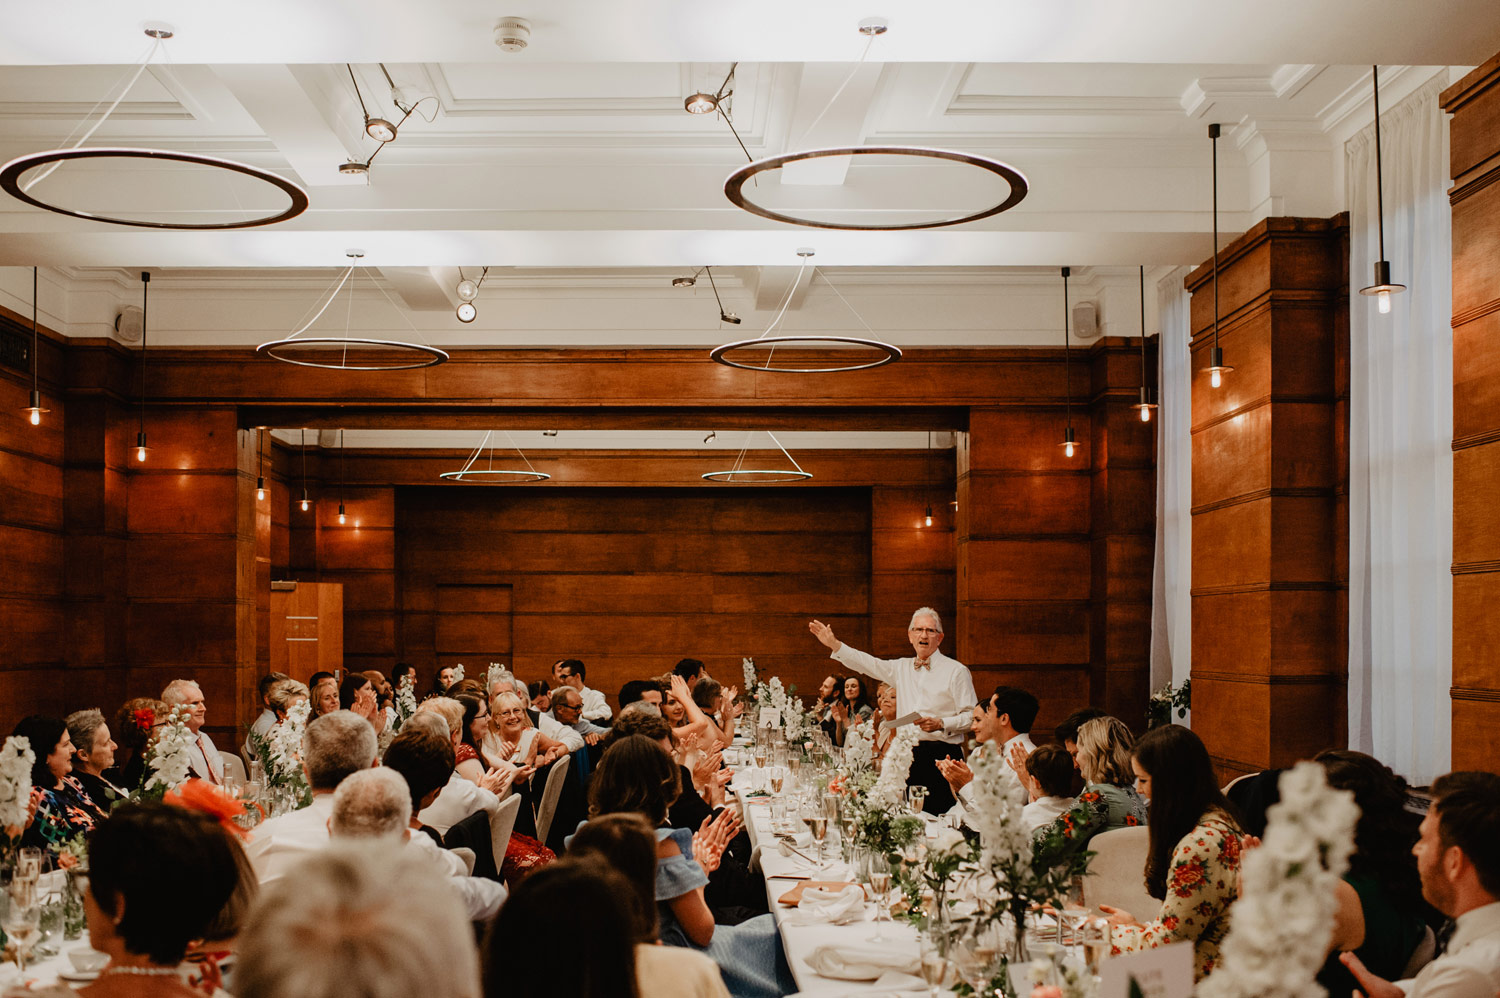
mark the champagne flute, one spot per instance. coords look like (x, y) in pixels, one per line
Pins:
(934, 959)
(760, 756)
(817, 823)
(778, 778)
(880, 883)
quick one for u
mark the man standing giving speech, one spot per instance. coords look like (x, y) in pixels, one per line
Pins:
(931, 685)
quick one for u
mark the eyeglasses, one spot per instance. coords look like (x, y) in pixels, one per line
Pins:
(925, 630)
(513, 712)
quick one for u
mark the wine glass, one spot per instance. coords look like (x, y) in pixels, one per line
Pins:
(917, 797)
(23, 926)
(817, 823)
(880, 883)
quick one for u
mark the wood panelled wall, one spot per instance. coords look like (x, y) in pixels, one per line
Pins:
(1270, 516)
(1474, 144)
(131, 575)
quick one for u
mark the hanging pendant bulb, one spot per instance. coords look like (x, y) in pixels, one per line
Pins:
(1216, 366)
(140, 436)
(341, 513)
(260, 479)
(260, 489)
(1145, 405)
(927, 520)
(306, 505)
(140, 446)
(1069, 443)
(34, 408)
(1383, 288)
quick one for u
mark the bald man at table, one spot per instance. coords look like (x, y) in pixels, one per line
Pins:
(930, 684)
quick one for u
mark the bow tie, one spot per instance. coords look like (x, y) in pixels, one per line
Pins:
(923, 665)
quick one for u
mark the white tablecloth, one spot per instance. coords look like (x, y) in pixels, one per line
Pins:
(800, 940)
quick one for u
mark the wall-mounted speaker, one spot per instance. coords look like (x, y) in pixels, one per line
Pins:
(128, 324)
(1085, 320)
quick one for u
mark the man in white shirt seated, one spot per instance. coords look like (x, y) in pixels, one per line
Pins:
(567, 710)
(204, 761)
(1458, 856)
(334, 746)
(595, 706)
(929, 684)
(459, 796)
(266, 719)
(1004, 721)
(376, 804)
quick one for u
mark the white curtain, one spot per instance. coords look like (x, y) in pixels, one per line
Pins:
(1171, 600)
(1400, 436)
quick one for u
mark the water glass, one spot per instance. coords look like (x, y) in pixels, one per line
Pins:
(50, 927)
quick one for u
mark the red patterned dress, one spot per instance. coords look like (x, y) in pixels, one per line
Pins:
(1202, 883)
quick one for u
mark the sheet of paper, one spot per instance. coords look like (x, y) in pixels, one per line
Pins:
(911, 718)
(770, 717)
(1164, 972)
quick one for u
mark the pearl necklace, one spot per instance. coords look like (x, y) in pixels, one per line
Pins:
(140, 971)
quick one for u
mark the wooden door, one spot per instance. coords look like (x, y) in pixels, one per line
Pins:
(307, 629)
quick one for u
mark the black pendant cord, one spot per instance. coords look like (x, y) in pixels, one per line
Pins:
(304, 467)
(36, 388)
(1379, 181)
(1213, 135)
(1067, 353)
(1143, 327)
(343, 471)
(145, 329)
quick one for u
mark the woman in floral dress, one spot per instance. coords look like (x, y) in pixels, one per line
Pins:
(61, 809)
(1193, 862)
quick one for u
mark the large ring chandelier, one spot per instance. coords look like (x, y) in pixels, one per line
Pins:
(334, 352)
(734, 186)
(491, 475)
(741, 475)
(14, 182)
(726, 353)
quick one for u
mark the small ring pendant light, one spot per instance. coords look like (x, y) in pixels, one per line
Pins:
(1069, 441)
(1383, 287)
(1145, 405)
(1216, 366)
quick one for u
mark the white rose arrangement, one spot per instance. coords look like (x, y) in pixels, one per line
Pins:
(859, 750)
(170, 761)
(16, 759)
(1283, 919)
(405, 701)
(458, 675)
(284, 758)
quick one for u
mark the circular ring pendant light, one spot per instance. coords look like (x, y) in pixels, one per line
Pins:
(726, 354)
(333, 352)
(734, 186)
(491, 475)
(11, 175)
(740, 475)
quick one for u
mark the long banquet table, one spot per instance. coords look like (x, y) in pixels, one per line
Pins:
(784, 873)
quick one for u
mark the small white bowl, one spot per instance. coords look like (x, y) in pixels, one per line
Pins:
(87, 960)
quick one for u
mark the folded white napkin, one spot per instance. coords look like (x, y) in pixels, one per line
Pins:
(831, 907)
(860, 963)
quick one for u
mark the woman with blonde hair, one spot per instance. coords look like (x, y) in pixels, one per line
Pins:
(1109, 799)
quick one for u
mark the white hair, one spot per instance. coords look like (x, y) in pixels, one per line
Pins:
(927, 611)
(176, 692)
(640, 707)
(430, 722)
(358, 918)
(371, 804)
(335, 745)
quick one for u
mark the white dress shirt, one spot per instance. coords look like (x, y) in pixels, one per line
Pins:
(481, 897)
(595, 707)
(1015, 790)
(944, 689)
(264, 723)
(276, 845)
(458, 799)
(549, 726)
(1471, 966)
(204, 761)
(1043, 811)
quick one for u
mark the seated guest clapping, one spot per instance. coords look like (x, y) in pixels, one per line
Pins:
(1458, 857)
(1109, 799)
(334, 746)
(144, 925)
(62, 809)
(377, 804)
(267, 718)
(625, 841)
(1003, 721)
(93, 753)
(511, 738)
(364, 919)
(459, 796)
(1048, 778)
(357, 694)
(583, 901)
(1193, 857)
(635, 775)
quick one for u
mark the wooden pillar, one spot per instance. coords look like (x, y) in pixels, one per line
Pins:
(1023, 553)
(1270, 614)
(1122, 531)
(1474, 144)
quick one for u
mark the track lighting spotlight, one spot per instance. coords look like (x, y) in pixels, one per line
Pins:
(684, 282)
(379, 129)
(466, 312)
(701, 103)
(712, 436)
(353, 169)
(467, 290)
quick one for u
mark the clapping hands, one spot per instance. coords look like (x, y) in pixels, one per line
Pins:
(711, 838)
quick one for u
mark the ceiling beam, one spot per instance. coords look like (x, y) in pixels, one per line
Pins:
(828, 117)
(294, 120)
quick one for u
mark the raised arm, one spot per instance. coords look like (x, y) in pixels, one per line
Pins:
(851, 657)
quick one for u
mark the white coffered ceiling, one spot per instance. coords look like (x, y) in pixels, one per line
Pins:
(572, 170)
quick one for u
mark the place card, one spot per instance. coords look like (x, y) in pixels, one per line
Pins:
(1163, 972)
(770, 717)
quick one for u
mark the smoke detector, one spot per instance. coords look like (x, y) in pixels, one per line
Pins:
(513, 34)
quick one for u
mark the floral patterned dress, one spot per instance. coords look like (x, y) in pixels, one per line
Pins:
(1202, 883)
(62, 813)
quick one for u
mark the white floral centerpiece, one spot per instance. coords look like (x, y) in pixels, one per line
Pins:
(405, 701)
(859, 750)
(284, 756)
(752, 675)
(877, 802)
(16, 760)
(170, 760)
(458, 675)
(1283, 919)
